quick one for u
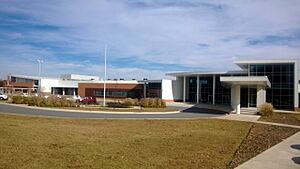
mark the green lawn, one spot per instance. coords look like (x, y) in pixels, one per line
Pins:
(34, 142)
(31, 142)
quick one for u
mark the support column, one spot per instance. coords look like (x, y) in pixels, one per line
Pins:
(184, 88)
(198, 89)
(261, 95)
(74, 92)
(214, 88)
(63, 92)
(235, 98)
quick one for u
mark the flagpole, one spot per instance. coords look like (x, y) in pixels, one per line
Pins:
(104, 84)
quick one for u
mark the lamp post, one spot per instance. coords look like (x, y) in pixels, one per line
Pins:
(39, 74)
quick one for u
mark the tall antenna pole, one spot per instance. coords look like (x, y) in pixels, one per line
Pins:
(39, 68)
(39, 73)
(104, 85)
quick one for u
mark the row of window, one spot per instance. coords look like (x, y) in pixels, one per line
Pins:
(281, 77)
(274, 68)
(110, 93)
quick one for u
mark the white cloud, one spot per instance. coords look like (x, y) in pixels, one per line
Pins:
(166, 32)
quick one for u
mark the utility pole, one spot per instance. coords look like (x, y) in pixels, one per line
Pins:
(104, 84)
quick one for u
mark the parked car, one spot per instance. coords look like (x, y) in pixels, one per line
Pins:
(3, 96)
(88, 100)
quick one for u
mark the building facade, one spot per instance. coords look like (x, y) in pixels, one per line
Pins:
(273, 81)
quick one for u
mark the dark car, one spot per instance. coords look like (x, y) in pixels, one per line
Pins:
(88, 100)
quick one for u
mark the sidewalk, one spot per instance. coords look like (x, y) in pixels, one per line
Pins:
(253, 119)
(285, 155)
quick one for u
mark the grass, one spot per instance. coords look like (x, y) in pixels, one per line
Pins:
(32, 142)
(285, 118)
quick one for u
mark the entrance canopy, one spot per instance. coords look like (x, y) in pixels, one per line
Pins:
(246, 80)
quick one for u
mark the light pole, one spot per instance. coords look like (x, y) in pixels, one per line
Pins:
(39, 73)
(104, 84)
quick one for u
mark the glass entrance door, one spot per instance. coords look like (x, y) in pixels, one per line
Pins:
(248, 96)
(252, 97)
(244, 97)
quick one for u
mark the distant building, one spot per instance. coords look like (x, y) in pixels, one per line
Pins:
(257, 82)
(82, 85)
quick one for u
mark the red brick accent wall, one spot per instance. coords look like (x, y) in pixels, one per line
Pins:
(87, 89)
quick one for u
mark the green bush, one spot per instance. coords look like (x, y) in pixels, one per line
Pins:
(17, 99)
(131, 102)
(266, 109)
(35, 101)
(117, 105)
(152, 103)
(43, 102)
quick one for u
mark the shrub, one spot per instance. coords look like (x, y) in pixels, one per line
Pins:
(144, 102)
(35, 101)
(17, 99)
(266, 109)
(152, 103)
(67, 103)
(117, 105)
(25, 100)
(129, 102)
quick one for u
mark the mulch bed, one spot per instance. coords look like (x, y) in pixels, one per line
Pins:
(285, 118)
(260, 138)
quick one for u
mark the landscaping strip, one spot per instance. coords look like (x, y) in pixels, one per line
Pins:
(260, 138)
(284, 118)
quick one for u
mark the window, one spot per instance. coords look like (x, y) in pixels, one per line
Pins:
(281, 77)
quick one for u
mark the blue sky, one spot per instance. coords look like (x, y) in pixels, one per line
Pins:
(145, 38)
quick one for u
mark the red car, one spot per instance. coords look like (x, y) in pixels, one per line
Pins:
(88, 100)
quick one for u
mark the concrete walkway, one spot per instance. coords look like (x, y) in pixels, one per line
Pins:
(285, 155)
(253, 119)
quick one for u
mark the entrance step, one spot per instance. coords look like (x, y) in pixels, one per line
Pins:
(249, 110)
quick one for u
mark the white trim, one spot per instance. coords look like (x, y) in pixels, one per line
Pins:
(246, 80)
(244, 63)
(214, 88)
(296, 94)
(184, 88)
(198, 89)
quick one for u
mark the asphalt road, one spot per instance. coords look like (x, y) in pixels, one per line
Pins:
(192, 112)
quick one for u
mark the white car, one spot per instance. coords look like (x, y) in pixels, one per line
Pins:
(3, 96)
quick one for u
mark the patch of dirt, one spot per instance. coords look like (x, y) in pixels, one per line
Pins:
(260, 138)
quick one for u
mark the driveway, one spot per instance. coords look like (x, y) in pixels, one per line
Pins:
(189, 112)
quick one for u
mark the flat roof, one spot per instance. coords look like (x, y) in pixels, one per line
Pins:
(246, 80)
(31, 77)
(205, 73)
(244, 63)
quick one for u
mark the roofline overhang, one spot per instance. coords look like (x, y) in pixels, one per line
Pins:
(243, 64)
(246, 80)
(181, 74)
